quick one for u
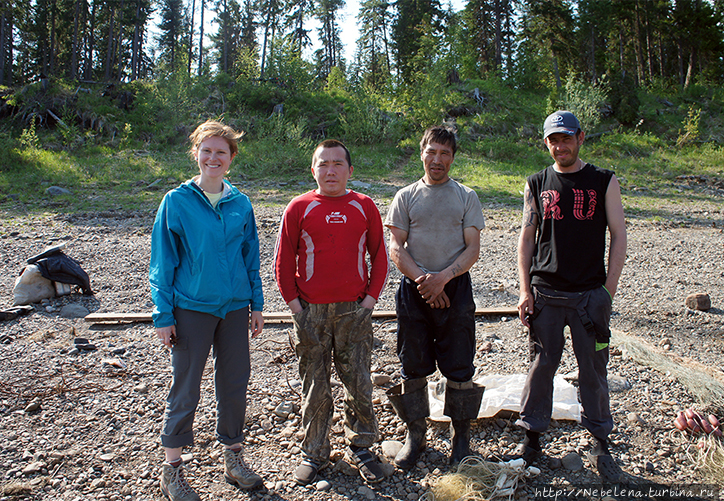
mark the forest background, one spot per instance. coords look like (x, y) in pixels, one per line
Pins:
(99, 97)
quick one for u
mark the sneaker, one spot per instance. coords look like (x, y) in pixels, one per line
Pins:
(174, 486)
(366, 463)
(237, 472)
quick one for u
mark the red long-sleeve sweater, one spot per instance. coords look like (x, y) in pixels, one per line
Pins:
(321, 248)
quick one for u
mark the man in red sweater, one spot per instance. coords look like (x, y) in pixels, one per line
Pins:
(322, 274)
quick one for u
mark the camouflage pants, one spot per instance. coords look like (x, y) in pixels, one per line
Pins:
(344, 329)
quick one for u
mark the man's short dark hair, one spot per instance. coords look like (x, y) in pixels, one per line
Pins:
(441, 135)
(334, 143)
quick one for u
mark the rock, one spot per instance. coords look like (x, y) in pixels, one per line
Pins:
(572, 462)
(323, 485)
(97, 484)
(342, 466)
(33, 406)
(284, 409)
(617, 384)
(380, 379)
(698, 301)
(390, 448)
(34, 467)
(360, 184)
(141, 388)
(634, 419)
(554, 463)
(107, 457)
(266, 425)
(486, 347)
(114, 362)
(74, 311)
(56, 190)
(366, 492)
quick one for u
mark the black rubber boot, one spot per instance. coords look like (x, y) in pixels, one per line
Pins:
(460, 433)
(411, 403)
(462, 405)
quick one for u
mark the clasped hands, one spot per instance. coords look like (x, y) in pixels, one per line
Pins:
(431, 287)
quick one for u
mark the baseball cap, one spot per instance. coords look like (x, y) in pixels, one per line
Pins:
(561, 121)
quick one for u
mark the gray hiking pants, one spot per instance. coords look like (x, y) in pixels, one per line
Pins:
(196, 334)
(345, 330)
(587, 314)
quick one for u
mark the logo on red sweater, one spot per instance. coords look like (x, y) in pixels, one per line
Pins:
(336, 217)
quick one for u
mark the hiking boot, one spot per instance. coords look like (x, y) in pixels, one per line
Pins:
(237, 472)
(173, 484)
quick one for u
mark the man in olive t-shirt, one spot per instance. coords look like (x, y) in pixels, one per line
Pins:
(435, 228)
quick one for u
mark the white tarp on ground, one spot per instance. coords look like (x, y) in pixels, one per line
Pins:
(502, 392)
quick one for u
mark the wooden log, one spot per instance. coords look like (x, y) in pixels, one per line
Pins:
(275, 317)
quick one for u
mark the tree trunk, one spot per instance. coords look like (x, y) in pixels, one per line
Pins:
(690, 69)
(6, 47)
(118, 53)
(498, 36)
(201, 38)
(53, 48)
(191, 36)
(555, 71)
(109, 48)
(225, 28)
(594, 74)
(88, 65)
(637, 45)
(136, 49)
(74, 45)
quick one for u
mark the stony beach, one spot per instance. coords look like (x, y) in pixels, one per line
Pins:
(84, 424)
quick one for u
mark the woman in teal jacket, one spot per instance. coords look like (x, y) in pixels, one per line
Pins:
(207, 292)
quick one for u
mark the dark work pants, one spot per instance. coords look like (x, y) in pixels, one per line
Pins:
(196, 334)
(443, 336)
(553, 311)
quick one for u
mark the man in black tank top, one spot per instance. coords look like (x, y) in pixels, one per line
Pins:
(567, 209)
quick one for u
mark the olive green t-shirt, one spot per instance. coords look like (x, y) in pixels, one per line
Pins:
(434, 217)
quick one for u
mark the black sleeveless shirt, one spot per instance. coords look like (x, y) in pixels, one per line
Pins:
(571, 238)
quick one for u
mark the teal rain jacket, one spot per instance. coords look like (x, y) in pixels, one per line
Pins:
(204, 259)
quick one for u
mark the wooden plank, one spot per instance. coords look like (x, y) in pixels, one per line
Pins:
(277, 317)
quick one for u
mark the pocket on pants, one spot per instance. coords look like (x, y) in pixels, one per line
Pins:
(599, 311)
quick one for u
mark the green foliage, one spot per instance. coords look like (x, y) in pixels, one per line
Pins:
(336, 82)
(691, 131)
(623, 96)
(29, 138)
(585, 101)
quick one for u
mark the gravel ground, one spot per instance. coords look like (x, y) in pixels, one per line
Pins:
(94, 433)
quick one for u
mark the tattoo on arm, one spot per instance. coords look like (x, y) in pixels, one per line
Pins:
(456, 269)
(530, 214)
